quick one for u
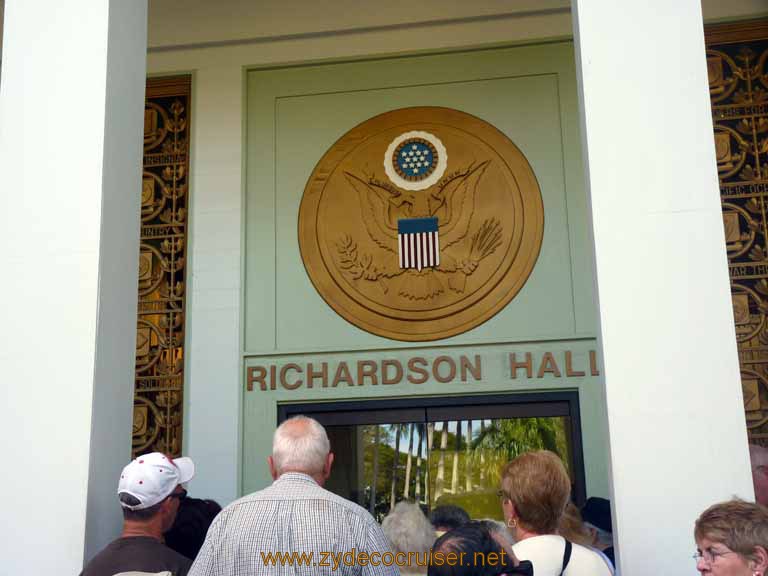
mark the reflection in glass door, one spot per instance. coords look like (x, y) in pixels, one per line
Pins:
(446, 454)
(466, 457)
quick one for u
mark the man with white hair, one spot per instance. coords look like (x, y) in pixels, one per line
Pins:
(295, 526)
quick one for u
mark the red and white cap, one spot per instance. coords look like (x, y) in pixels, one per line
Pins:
(153, 477)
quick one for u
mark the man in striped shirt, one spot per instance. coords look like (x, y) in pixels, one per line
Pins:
(295, 526)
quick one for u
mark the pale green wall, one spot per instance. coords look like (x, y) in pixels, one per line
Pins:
(295, 114)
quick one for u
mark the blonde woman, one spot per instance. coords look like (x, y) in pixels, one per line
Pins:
(732, 540)
(535, 490)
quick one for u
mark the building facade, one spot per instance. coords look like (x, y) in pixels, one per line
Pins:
(622, 327)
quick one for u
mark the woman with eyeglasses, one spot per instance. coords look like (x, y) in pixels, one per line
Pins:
(732, 539)
(535, 490)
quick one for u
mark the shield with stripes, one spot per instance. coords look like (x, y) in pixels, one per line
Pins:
(418, 243)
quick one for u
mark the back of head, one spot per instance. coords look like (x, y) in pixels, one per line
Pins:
(597, 511)
(741, 526)
(129, 505)
(447, 517)
(596, 514)
(300, 444)
(475, 541)
(499, 531)
(407, 529)
(538, 486)
(193, 519)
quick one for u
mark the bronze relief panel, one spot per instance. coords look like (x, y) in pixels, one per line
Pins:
(737, 66)
(159, 380)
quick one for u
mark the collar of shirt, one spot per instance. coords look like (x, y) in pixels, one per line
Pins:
(298, 477)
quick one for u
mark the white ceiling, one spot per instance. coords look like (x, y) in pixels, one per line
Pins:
(175, 23)
(194, 22)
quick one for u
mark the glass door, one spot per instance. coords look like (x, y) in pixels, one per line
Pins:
(443, 451)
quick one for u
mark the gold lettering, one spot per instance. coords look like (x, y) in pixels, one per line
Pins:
(252, 377)
(284, 380)
(467, 366)
(397, 378)
(413, 367)
(514, 365)
(322, 374)
(593, 363)
(548, 366)
(342, 375)
(569, 371)
(367, 368)
(451, 368)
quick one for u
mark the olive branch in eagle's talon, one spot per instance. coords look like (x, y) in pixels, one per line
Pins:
(348, 258)
(358, 267)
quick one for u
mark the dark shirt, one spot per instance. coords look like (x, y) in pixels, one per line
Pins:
(140, 553)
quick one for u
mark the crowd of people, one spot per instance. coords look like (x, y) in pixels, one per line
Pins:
(295, 526)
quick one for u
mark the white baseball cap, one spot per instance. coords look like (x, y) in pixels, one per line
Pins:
(151, 478)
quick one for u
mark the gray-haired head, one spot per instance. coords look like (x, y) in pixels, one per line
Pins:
(408, 529)
(499, 531)
(300, 444)
(602, 538)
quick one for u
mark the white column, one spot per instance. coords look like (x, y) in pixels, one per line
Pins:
(213, 389)
(678, 439)
(71, 102)
(2, 10)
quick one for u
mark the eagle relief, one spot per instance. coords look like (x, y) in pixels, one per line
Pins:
(421, 223)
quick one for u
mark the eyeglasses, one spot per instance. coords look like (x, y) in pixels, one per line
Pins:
(503, 495)
(180, 495)
(710, 555)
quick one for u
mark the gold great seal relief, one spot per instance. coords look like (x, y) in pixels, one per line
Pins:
(421, 223)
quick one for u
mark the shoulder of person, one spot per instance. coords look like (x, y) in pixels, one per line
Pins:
(156, 549)
(546, 553)
(590, 561)
(313, 492)
(351, 507)
(178, 556)
(536, 543)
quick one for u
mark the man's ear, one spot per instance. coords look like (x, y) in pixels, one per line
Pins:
(328, 465)
(272, 469)
(760, 561)
(592, 535)
(165, 506)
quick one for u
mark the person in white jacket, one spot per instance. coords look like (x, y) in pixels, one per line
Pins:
(535, 489)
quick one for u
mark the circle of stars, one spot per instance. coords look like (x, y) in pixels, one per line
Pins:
(415, 159)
